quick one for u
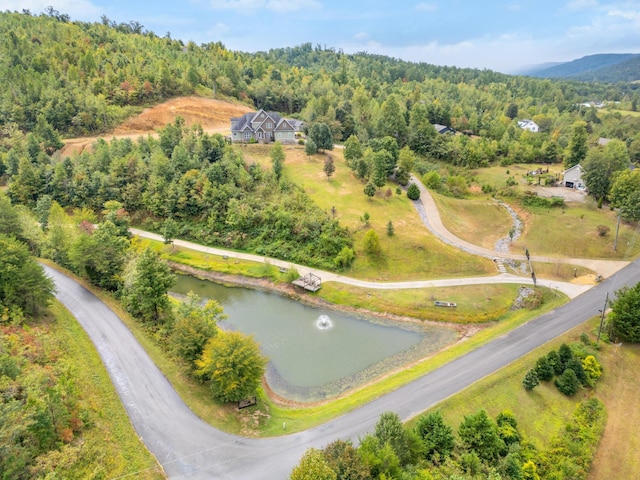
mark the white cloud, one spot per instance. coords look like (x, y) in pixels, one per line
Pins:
(514, 7)
(361, 36)
(252, 6)
(574, 5)
(427, 7)
(633, 16)
(76, 9)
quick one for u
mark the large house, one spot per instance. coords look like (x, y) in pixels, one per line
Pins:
(530, 125)
(264, 126)
(572, 178)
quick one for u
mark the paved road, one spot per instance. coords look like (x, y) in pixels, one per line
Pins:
(572, 290)
(188, 448)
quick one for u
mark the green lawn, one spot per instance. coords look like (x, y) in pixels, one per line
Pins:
(475, 303)
(478, 221)
(572, 232)
(411, 253)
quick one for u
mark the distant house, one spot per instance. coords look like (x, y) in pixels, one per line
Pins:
(442, 129)
(530, 125)
(603, 141)
(572, 178)
(264, 126)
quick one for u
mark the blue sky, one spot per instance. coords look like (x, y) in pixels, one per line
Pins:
(496, 34)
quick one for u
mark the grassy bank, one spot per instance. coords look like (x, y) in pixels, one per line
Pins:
(412, 252)
(543, 412)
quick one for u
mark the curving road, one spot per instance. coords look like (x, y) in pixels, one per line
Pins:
(188, 448)
(572, 290)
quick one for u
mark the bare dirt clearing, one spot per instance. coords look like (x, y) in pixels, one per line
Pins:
(213, 115)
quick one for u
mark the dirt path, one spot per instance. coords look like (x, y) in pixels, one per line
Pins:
(211, 114)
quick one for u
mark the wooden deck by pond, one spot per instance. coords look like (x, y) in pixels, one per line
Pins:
(309, 282)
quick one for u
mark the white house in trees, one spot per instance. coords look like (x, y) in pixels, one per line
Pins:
(572, 178)
(530, 125)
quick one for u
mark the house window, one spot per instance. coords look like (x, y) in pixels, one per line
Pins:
(279, 134)
(269, 125)
(247, 135)
(288, 134)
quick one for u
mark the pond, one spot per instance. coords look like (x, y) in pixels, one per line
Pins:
(316, 353)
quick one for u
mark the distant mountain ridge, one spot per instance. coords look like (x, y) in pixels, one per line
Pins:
(605, 67)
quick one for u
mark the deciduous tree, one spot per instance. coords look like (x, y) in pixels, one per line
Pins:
(625, 314)
(146, 283)
(23, 284)
(321, 134)
(194, 325)
(625, 194)
(313, 466)
(578, 147)
(232, 364)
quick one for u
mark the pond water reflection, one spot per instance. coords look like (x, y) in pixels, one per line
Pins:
(317, 353)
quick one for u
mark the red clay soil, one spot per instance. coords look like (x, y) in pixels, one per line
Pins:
(213, 115)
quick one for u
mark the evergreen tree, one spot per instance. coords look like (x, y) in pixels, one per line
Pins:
(329, 166)
(530, 380)
(413, 192)
(479, 434)
(437, 437)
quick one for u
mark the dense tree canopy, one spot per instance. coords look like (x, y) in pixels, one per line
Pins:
(23, 284)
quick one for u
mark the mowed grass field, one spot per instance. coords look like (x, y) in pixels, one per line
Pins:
(569, 231)
(411, 253)
(479, 221)
(572, 231)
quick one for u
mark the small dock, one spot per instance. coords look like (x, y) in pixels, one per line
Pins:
(309, 282)
(439, 303)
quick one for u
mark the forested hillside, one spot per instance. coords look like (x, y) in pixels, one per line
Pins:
(71, 78)
(608, 67)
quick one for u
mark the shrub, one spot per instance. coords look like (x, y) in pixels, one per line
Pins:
(543, 369)
(432, 180)
(530, 380)
(413, 192)
(486, 188)
(345, 258)
(555, 362)
(592, 369)
(568, 383)
(602, 230)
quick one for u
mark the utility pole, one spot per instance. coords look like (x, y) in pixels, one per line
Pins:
(604, 308)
